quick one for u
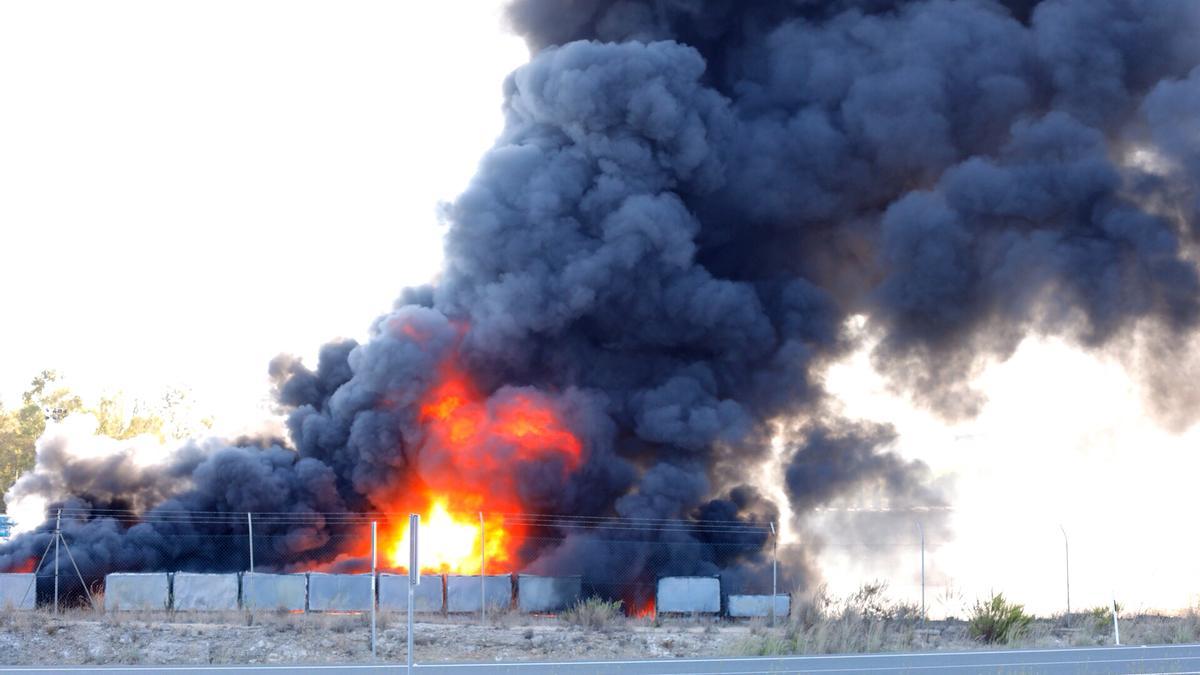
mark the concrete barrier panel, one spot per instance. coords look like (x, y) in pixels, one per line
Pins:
(275, 592)
(462, 592)
(741, 606)
(688, 595)
(18, 591)
(339, 592)
(547, 594)
(137, 591)
(427, 596)
(204, 592)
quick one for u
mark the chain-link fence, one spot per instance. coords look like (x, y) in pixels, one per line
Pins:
(918, 556)
(92, 557)
(540, 565)
(946, 563)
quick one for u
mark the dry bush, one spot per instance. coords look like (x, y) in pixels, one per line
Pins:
(810, 608)
(997, 620)
(865, 621)
(383, 620)
(18, 620)
(594, 614)
(1158, 629)
(767, 645)
(504, 617)
(872, 603)
(350, 623)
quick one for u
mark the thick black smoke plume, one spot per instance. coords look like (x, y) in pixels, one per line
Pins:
(689, 200)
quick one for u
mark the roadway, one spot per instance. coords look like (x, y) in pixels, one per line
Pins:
(1086, 660)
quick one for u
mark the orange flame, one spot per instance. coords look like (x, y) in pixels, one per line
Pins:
(645, 610)
(450, 543)
(458, 419)
(466, 468)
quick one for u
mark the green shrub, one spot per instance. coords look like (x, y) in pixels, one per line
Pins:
(998, 620)
(593, 613)
(1101, 617)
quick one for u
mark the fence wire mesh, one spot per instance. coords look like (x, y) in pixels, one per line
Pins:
(916, 557)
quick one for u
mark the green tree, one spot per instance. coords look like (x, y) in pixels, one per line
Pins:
(116, 420)
(46, 399)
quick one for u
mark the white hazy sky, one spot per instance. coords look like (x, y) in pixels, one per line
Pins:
(189, 188)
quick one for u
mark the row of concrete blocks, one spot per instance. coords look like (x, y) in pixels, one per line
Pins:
(185, 591)
(314, 591)
(702, 595)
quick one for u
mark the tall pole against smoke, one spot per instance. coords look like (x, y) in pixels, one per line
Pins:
(414, 579)
(57, 536)
(374, 579)
(482, 573)
(774, 570)
(250, 539)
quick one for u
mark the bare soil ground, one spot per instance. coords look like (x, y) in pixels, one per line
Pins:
(85, 637)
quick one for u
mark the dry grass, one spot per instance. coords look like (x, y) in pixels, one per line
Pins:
(594, 614)
(507, 617)
(867, 621)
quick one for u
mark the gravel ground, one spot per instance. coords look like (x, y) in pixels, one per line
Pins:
(139, 638)
(176, 638)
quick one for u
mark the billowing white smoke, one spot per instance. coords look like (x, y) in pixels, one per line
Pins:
(71, 442)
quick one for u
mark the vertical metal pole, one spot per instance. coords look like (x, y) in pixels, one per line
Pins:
(774, 570)
(414, 578)
(1067, 557)
(482, 572)
(921, 529)
(250, 539)
(57, 536)
(372, 589)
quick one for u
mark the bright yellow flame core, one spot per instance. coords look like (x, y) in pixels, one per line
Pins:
(448, 543)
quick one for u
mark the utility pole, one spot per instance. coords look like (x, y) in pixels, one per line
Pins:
(55, 539)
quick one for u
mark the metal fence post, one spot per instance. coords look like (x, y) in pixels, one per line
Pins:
(482, 573)
(921, 529)
(774, 570)
(250, 539)
(57, 536)
(1067, 558)
(372, 589)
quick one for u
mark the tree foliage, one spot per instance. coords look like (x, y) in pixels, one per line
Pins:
(48, 399)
